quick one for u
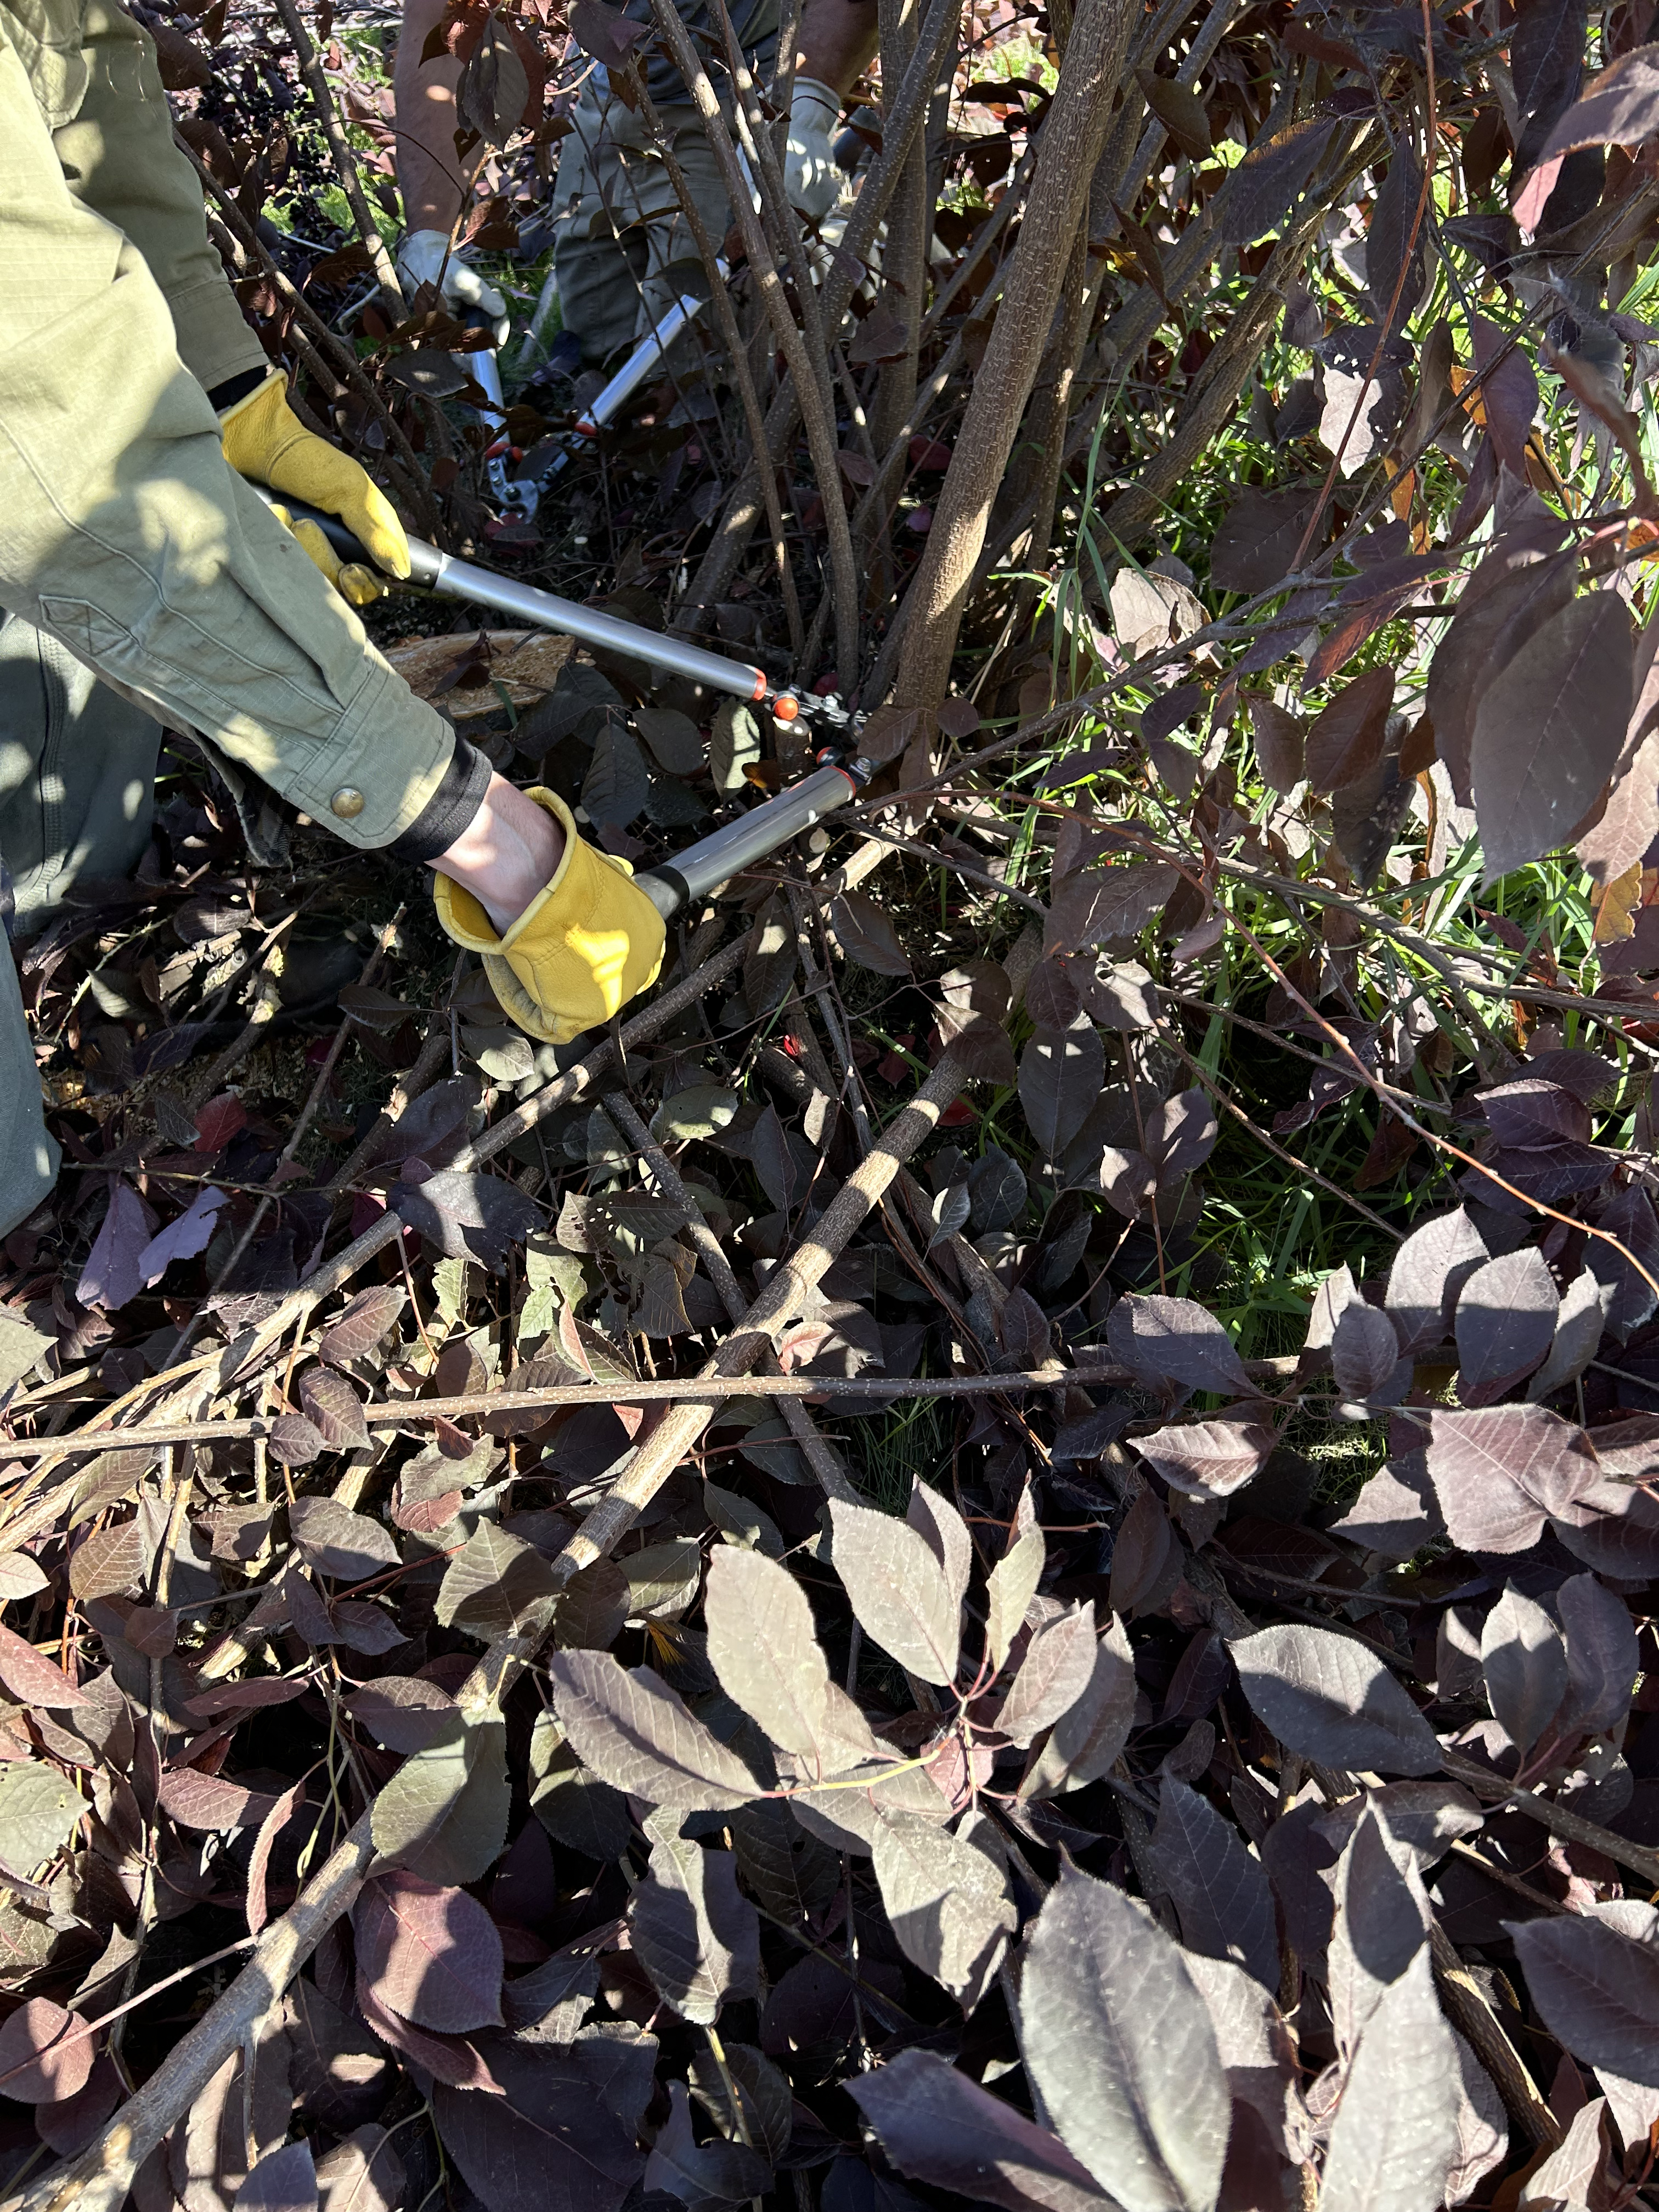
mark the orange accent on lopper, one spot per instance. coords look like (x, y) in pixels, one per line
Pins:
(785, 707)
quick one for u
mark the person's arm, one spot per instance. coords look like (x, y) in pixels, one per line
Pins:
(434, 182)
(506, 855)
(430, 178)
(120, 150)
(129, 538)
(836, 39)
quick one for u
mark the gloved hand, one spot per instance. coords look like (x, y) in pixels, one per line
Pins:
(810, 175)
(265, 441)
(582, 948)
(357, 586)
(423, 253)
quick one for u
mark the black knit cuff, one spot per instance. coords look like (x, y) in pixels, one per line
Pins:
(237, 388)
(450, 808)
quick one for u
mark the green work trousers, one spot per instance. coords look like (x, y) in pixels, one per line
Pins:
(622, 251)
(78, 782)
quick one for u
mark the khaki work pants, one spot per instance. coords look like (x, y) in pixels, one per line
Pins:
(622, 251)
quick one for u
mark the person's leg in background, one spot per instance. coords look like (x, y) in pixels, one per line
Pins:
(77, 790)
(673, 265)
(600, 250)
(430, 176)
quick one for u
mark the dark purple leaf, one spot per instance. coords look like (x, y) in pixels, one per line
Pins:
(1598, 1991)
(1208, 1459)
(111, 1276)
(1548, 729)
(1259, 192)
(1545, 61)
(1180, 1134)
(1531, 1114)
(335, 1407)
(1525, 1664)
(703, 2176)
(1280, 742)
(346, 1546)
(1055, 1674)
(1219, 1892)
(1628, 1215)
(184, 1238)
(1428, 1270)
(937, 2126)
(468, 1216)
(429, 1953)
(1118, 2044)
(695, 1933)
(44, 2055)
(1099, 906)
(636, 1734)
(561, 2136)
(1175, 1341)
(1602, 1661)
(1345, 740)
(71, 2126)
(284, 2180)
(1621, 107)
(1505, 1321)
(1501, 1471)
(1332, 1700)
(1365, 1357)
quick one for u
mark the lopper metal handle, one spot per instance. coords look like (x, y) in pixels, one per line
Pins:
(440, 573)
(715, 859)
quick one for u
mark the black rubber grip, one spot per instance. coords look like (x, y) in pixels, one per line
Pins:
(672, 881)
(425, 560)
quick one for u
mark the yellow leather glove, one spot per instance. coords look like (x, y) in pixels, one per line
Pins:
(358, 586)
(265, 441)
(581, 949)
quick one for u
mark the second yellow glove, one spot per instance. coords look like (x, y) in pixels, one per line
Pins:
(582, 948)
(265, 441)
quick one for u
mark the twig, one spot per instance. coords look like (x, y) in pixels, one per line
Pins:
(737, 355)
(345, 161)
(799, 1423)
(560, 1093)
(434, 1051)
(1212, 1084)
(1431, 146)
(1481, 2026)
(786, 1289)
(324, 1074)
(1072, 135)
(720, 563)
(1572, 1827)
(330, 349)
(1374, 1083)
(811, 384)
(705, 1389)
(99, 2179)
(266, 1003)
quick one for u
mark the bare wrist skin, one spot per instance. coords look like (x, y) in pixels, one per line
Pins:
(506, 855)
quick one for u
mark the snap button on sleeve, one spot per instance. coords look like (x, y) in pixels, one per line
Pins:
(347, 803)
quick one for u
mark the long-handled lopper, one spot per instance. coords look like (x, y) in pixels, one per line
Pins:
(520, 495)
(713, 861)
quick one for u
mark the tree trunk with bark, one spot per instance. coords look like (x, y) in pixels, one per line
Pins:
(1072, 135)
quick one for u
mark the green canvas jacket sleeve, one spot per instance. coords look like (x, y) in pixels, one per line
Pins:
(127, 535)
(119, 158)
